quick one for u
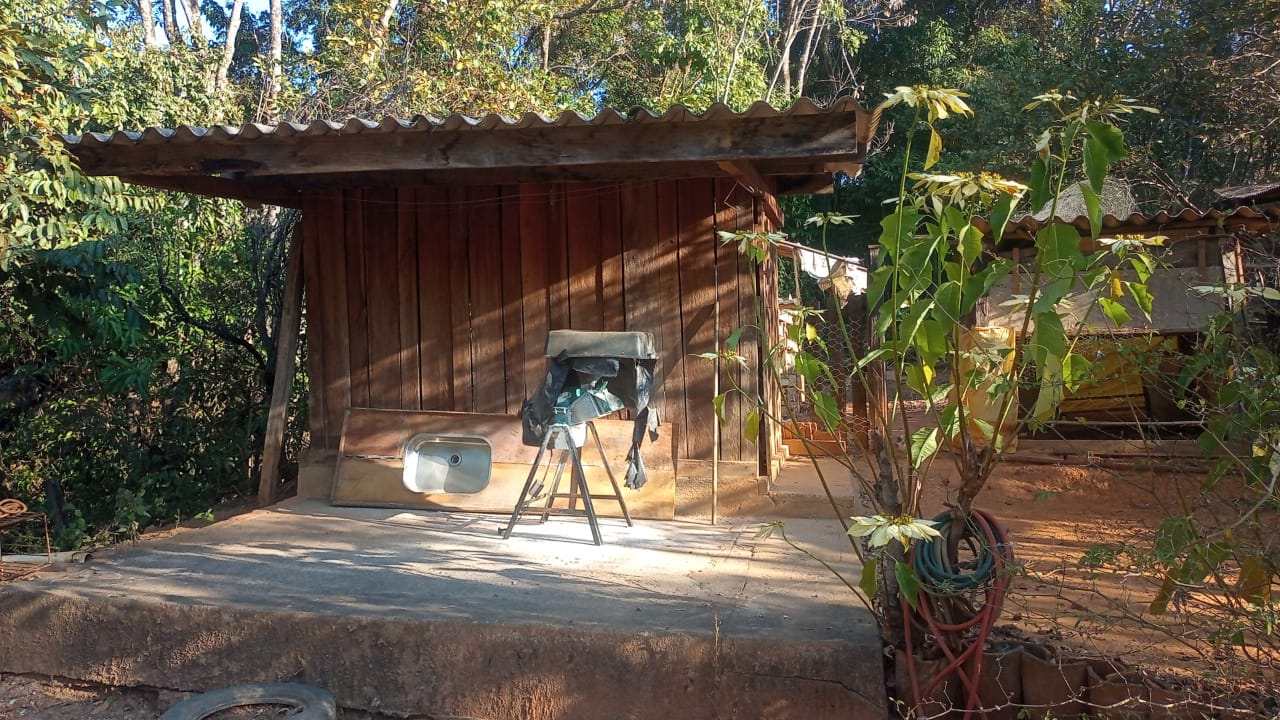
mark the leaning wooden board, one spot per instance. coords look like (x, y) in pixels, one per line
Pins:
(371, 463)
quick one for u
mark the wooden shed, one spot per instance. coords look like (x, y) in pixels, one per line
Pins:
(438, 252)
(1201, 248)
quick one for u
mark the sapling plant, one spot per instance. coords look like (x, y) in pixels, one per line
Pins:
(938, 257)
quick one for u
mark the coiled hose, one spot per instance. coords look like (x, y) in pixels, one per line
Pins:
(943, 608)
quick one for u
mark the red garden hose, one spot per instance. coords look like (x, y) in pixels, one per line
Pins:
(960, 629)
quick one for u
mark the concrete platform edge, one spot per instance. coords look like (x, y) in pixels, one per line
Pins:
(406, 667)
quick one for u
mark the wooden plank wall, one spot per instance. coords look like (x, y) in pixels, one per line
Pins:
(431, 298)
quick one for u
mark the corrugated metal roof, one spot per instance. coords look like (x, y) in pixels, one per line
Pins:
(1027, 225)
(1243, 194)
(458, 122)
(798, 148)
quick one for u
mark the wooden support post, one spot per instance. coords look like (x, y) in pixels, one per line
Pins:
(286, 360)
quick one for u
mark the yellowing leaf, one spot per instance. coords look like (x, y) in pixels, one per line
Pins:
(1255, 581)
(935, 149)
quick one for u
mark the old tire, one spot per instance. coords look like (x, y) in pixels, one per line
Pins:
(313, 703)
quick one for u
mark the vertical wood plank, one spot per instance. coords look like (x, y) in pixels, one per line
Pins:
(335, 334)
(696, 208)
(726, 195)
(436, 297)
(751, 317)
(557, 259)
(667, 257)
(382, 286)
(534, 205)
(514, 338)
(582, 208)
(770, 433)
(407, 286)
(315, 320)
(357, 297)
(484, 243)
(612, 288)
(642, 285)
(286, 365)
(460, 302)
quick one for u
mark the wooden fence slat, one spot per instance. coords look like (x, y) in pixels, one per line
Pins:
(484, 242)
(382, 286)
(533, 269)
(557, 258)
(582, 229)
(335, 333)
(407, 285)
(459, 270)
(285, 368)
(642, 286)
(750, 316)
(514, 338)
(357, 297)
(612, 289)
(671, 342)
(315, 318)
(726, 194)
(435, 282)
(696, 208)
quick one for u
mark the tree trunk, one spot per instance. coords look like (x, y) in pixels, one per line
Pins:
(229, 48)
(793, 17)
(274, 54)
(194, 23)
(149, 38)
(171, 21)
(811, 37)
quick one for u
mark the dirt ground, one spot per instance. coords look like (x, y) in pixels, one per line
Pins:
(1054, 513)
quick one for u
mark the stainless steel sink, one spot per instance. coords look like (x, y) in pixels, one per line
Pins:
(436, 463)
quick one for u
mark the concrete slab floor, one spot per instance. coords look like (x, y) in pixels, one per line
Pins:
(305, 558)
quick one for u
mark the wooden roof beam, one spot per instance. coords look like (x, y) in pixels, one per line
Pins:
(782, 145)
(756, 184)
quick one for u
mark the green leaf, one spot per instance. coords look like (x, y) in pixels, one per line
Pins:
(1142, 296)
(924, 443)
(1060, 244)
(1039, 184)
(1110, 140)
(1075, 371)
(931, 341)
(808, 366)
(1143, 266)
(897, 230)
(734, 338)
(947, 298)
(1114, 311)
(751, 426)
(1049, 338)
(880, 278)
(970, 242)
(1000, 213)
(871, 357)
(1093, 208)
(718, 402)
(825, 407)
(919, 378)
(867, 581)
(908, 583)
(949, 422)
(1095, 163)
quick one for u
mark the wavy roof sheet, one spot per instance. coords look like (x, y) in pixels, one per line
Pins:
(795, 149)
(1149, 223)
(677, 114)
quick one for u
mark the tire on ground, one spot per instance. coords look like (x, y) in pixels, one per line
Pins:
(313, 703)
